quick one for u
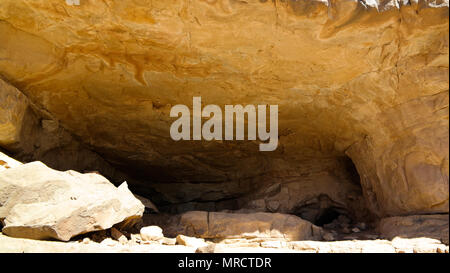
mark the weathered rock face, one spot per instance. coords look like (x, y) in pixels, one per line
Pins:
(405, 165)
(32, 135)
(350, 78)
(416, 226)
(37, 202)
(13, 108)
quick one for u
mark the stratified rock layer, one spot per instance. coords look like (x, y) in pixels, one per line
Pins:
(364, 78)
(223, 225)
(416, 226)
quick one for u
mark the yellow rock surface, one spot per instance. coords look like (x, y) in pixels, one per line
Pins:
(349, 78)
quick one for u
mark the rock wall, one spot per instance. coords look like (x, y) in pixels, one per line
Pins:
(407, 158)
(367, 79)
(31, 134)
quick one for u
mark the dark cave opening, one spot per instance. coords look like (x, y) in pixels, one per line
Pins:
(323, 215)
(327, 216)
(321, 209)
(351, 170)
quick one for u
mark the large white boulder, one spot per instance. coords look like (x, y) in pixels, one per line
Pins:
(37, 202)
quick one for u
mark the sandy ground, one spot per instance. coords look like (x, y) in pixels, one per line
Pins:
(397, 245)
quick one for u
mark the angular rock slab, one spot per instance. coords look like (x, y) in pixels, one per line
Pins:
(221, 225)
(37, 202)
(416, 226)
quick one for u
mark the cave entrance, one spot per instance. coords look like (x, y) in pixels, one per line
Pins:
(322, 211)
(322, 207)
(327, 216)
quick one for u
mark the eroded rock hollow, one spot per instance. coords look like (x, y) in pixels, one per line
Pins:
(362, 89)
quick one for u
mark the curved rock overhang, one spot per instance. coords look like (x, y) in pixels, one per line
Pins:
(363, 82)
